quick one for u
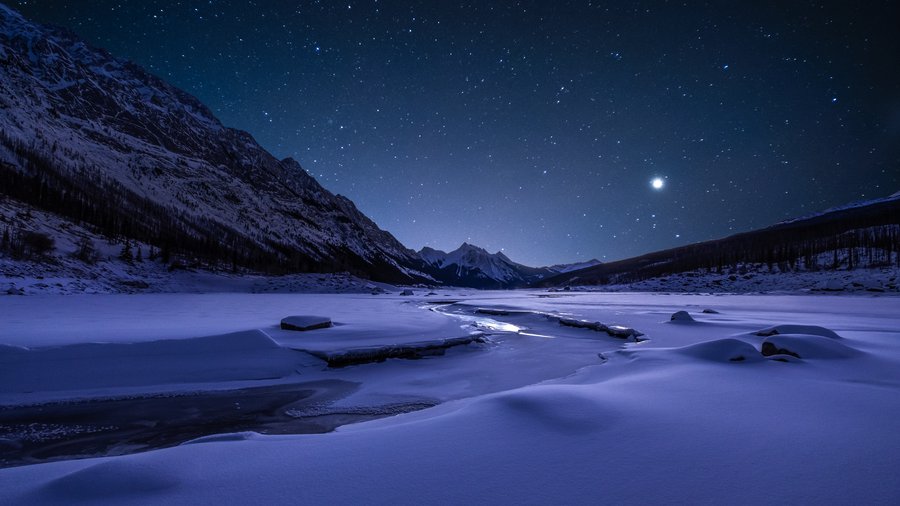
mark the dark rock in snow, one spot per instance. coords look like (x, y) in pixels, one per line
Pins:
(303, 323)
(710, 311)
(619, 331)
(410, 351)
(769, 349)
(682, 316)
(407, 293)
(583, 324)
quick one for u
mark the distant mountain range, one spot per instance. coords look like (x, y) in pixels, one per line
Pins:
(860, 234)
(472, 266)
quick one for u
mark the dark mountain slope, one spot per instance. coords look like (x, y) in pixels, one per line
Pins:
(865, 234)
(103, 142)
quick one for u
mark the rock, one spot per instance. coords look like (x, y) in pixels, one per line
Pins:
(682, 316)
(411, 351)
(770, 349)
(406, 293)
(305, 322)
(619, 331)
(15, 291)
(583, 324)
(710, 311)
(623, 332)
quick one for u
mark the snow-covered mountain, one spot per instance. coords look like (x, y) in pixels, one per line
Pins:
(473, 266)
(100, 141)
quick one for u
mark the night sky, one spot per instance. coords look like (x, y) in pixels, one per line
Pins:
(539, 127)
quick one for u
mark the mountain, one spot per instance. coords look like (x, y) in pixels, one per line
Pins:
(100, 141)
(474, 267)
(858, 235)
(562, 268)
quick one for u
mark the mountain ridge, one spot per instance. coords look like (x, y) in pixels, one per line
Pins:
(858, 234)
(475, 266)
(75, 118)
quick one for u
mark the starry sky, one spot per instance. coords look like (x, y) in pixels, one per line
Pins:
(555, 131)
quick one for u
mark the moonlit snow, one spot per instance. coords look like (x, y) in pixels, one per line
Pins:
(533, 412)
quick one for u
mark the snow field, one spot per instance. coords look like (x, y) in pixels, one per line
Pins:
(544, 414)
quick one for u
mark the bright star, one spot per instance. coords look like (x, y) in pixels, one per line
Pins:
(657, 183)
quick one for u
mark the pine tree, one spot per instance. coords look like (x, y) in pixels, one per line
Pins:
(126, 254)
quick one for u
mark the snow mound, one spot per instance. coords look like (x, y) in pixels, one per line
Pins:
(546, 408)
(808, 330)
(722, 350)
(682, 316)
(807, 346)
(114, 481)
(303, 323)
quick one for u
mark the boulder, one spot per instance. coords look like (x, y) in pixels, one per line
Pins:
(771, 349)
(407, 293)
(305, 322)
(682, 316)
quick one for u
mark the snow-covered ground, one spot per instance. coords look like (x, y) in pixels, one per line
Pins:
(538, 413)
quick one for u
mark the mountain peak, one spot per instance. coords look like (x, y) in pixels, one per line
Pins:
(469, 247)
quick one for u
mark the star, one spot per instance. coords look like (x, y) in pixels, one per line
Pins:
(657, 183)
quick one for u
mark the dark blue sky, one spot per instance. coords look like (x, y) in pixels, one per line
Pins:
(537, 127)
